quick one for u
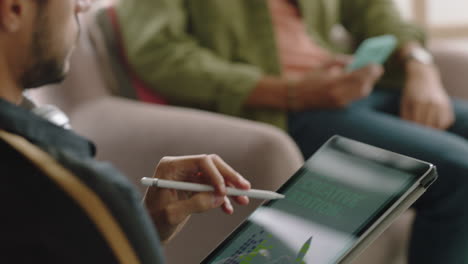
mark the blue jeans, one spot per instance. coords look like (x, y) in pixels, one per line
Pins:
(440, 231)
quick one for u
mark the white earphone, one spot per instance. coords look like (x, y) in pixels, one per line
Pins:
(49, 112)
(53, 114)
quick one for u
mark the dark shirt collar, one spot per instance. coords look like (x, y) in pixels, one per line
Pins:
(41, 132)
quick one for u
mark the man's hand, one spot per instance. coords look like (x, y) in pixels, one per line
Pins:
(424, 99)
(170, 209)
(332, 87)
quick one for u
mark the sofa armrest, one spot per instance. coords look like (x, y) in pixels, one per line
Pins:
(134, 136)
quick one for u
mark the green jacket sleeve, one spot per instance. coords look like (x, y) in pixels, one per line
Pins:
(368, 18)
(164, 54)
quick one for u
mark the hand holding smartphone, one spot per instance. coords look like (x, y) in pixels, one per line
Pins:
(374, 50)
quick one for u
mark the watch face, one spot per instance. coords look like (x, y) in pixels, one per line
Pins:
(421, 55)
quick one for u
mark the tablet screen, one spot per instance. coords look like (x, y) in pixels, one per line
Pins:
(330, 202)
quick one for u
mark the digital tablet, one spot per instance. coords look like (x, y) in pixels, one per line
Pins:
(343, 197)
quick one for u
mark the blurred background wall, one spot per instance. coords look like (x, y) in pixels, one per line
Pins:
(445, 20)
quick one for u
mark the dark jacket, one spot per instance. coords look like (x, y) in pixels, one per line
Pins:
(61, 206)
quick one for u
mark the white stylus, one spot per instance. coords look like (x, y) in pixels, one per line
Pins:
(196, 187)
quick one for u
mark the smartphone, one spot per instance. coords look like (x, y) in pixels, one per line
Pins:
(374, 50)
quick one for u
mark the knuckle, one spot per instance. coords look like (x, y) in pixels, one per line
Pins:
(170, 216)
(168, 159)
(204, 202)
(204, 158)
(214, 156)
(165, 160)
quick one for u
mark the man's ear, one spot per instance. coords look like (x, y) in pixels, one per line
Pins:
(11, 12)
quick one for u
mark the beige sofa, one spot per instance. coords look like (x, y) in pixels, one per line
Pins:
(134, 136)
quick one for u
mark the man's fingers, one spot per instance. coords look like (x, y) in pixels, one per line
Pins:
(242, 200)
(213, 174)
(227, 206)
(230, 175)
(199, 203)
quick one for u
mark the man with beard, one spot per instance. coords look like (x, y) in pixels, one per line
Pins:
(58, 204)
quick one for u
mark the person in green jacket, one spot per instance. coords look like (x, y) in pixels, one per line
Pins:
(59, 204)
(281, 62)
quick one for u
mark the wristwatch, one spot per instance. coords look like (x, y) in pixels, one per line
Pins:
(420, 55)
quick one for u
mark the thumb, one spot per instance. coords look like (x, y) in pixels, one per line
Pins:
(198, 203)
(337, 61)
(343, 59)
(372, 71)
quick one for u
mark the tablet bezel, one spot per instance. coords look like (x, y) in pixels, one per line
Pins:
(377, 224)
